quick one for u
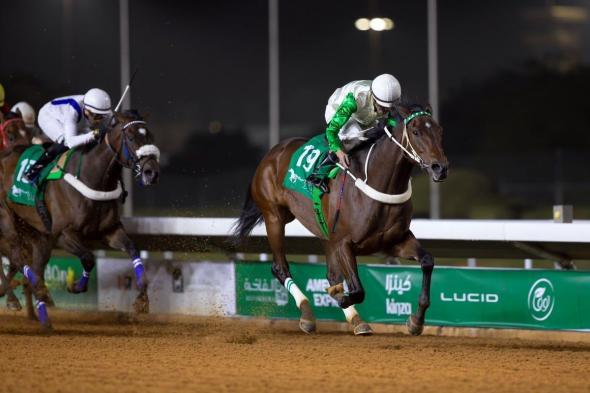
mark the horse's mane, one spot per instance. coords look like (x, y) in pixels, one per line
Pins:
(374, 134)
(133, 114)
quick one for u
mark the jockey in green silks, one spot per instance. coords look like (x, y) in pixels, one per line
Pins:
(351, 110)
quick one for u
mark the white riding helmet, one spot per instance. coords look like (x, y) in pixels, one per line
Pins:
(386, 90)
(97, 101)
(26, 111)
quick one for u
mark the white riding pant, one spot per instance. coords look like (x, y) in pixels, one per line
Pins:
(51, 127)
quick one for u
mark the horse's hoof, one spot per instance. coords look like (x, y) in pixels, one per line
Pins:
(141, 305)
(75, 288)
(307, 320)
(46, 328)
(414, 327)
(307, 326)
(363, 329)
(14, 305)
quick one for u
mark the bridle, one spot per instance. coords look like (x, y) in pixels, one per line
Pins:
(132, 158)
(408, 148)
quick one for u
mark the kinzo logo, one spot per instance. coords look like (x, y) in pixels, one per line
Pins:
(541, 299)
(470, 297)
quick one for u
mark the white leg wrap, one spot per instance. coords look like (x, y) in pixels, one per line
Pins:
(349, 313)
(295, 291)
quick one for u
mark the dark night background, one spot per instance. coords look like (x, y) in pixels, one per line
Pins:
(514, 85)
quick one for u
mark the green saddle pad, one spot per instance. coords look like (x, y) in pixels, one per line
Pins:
(303, 163)
(25, 193)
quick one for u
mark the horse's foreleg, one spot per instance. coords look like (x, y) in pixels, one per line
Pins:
(34, 277)
(119, 240)
(411, 248)
(275, 229)
(335, 260)
(72, 243)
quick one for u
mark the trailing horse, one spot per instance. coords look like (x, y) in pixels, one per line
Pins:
(84, 206)
(364, 216)
(13, 132)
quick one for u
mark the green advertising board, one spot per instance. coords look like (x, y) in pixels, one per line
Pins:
(535, 299)
(57, 273)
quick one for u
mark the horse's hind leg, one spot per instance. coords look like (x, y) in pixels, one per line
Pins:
(411, 248)
(336, 259)
(275, 229)
(12, 302)
(118, 239)
(71, 242)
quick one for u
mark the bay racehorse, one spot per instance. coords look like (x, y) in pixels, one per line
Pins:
(13, 132)
(84, 206)
(374, 220)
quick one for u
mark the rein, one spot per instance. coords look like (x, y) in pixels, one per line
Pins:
(132, 159)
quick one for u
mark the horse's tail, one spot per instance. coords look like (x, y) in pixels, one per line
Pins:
(249, 218)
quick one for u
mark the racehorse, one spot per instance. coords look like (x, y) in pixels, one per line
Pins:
(83, 207)
(13, 132)
(369, 221)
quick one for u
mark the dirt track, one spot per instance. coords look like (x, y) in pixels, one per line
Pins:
(118, 353)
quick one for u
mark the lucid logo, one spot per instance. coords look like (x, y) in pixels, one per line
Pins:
(470, 297)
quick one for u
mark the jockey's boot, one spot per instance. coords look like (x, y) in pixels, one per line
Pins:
(319, 178)
(32, 174)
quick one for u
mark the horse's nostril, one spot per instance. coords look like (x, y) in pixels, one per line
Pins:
(437, 168)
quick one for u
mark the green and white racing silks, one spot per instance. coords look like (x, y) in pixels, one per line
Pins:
(352, 101)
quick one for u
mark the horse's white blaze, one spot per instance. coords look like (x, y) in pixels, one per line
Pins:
(350, 312)
(295, 291)
(142, 131)
(148, 150)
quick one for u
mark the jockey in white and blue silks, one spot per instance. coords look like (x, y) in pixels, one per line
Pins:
(70, 122)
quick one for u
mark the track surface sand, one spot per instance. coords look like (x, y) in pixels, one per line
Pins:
(111, 352)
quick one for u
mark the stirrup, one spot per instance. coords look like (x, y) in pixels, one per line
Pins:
(32, 175)
(322, 184)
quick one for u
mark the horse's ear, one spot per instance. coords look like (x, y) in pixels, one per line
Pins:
(428, 108)
(403, 111)
(17, 111)
(145, 116)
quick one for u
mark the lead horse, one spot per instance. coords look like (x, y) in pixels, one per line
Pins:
(375, 214)
(84, 207)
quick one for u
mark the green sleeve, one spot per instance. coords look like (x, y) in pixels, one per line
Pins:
(391, 122)
(345, 110)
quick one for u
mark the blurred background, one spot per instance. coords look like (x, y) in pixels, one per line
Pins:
(512, 86)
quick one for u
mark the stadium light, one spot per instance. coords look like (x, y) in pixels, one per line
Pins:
(375, 24)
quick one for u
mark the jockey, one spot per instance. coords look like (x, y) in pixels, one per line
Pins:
(3, 106)
(29, 117)
(70, 122)
(27, 113)
(351, 110)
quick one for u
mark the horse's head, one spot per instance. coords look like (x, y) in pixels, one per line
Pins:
(13, 131)
(422, 136)
(132, 142)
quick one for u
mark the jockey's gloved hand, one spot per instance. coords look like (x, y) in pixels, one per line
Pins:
(343, 158)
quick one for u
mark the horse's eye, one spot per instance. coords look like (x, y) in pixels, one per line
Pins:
(415, 132)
